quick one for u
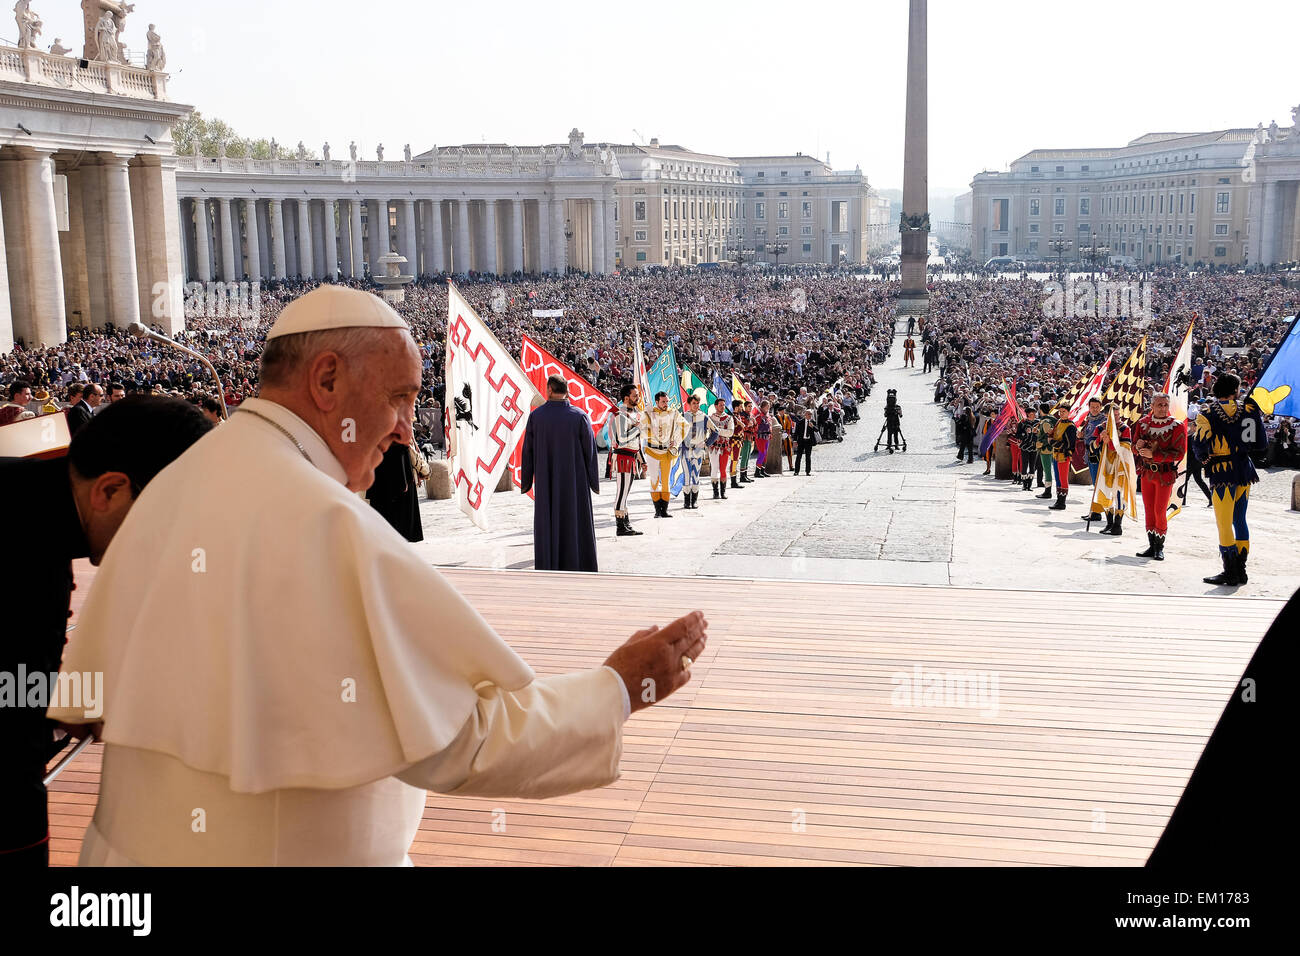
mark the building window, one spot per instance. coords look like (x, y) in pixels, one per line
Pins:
(1060, 228)
(1224, 180)
(665, 208)
(805, 230)
(1033, 227)
(1085, 207)
(1220, 250)
(760, 210)
(1083, 169)
(1059, 208)
(1220, 228)
(1033, 169)
(1221, 204)
(1033, 207)
(783, 230)
(1191, 206)
(783, 210)
(807, 247)
(1180, 204)
(1033, 245)
(1060, 169)
(640, 256)
(641, 235)
(807, 172)
(760, 175)
(805, 210)
(638, 210)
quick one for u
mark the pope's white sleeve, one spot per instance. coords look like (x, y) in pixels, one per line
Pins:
(557, 735)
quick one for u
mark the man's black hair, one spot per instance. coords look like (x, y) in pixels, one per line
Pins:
(1226, 386)
(138, 436)
(557, 384)
(625, 391)
(659, 395)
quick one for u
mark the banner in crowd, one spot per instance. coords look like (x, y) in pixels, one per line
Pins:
(539, 364)
(663, 377)
(488, 400)
(1178, 385)
(1115, 488)
(739, 391)
(1009, 412)
(639, 372)
(693, 385)
(1278, 391)
(1128, 391)
(721, 391)
(1085, 390)
(548, 313)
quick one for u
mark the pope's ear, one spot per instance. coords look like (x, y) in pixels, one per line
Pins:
(111, 492)
(323, 379)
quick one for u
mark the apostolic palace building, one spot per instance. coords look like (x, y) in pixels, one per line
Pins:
(1226, 197)
(103, 222)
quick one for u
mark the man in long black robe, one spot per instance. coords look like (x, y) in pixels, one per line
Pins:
(395, 493)
(559, 458)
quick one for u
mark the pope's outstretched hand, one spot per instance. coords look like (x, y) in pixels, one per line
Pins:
(656, 661)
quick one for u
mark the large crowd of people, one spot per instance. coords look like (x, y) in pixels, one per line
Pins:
(797, 337)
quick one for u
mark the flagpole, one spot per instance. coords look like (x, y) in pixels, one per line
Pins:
(1262, 372)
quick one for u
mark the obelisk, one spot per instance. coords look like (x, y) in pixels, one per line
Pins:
(914, 223)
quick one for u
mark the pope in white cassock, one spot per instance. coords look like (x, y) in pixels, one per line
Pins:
(283, 677)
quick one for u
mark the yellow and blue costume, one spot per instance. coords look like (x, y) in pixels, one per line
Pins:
(1228, 435)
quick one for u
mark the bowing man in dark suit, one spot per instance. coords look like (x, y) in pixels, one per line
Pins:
(79, 411)
(805, 436)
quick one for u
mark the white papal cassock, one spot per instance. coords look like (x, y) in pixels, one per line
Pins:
(243, 596)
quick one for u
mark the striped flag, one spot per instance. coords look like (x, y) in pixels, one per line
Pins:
(1008, 413)
(640, 379)
(664, 377)
(692, 384)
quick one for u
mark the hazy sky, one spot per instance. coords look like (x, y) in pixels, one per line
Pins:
(727, 78)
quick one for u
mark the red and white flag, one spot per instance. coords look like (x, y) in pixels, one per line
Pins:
(487, 403)
(538, 365)
(1089, 390)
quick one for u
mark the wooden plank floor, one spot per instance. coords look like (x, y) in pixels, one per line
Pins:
(787, 748)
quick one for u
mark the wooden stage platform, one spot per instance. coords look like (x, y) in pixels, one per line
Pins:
(789, 746)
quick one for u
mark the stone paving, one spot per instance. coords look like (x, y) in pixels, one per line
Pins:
(914, 517)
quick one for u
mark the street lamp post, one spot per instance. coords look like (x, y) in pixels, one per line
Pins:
(778, 249)
(1060, 245)
(1094, 251)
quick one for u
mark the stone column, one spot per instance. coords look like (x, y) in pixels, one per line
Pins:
(1268, 226)
(227, 242)
(76, 288)
(410, 249)
(123, 293)
(377, 226)
(598, 237)
(358, 256)
(560, 254)
(202, 241)
(546, 253)
(276, 209)
(162, 282)
(305, 268)
(6, 312)
(491, 262)
(330, 233)
(253, 240)
(435, 256)
(916, 193)
(460, 254)
(515, 261)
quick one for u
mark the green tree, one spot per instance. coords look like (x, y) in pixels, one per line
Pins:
(209, 134)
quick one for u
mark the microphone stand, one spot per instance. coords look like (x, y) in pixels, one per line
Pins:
(142, 331)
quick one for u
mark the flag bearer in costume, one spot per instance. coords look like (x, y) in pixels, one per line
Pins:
(721, 428)
(1026, 439)
(1063, 437)
(697, 431)
(1228, 432)
(1046, 425)
(625, 439)
(762, 436)
(665, 430)
(735, 443)
(1159, 444)
(745, 426)
(1092, 432)
(1014, 447)
(787, 443)
(1114, 491)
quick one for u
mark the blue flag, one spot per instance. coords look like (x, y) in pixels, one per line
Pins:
(1278, 391)
(664, 376)
(720, 389)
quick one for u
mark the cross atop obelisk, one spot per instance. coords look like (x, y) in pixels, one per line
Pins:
(914, 225)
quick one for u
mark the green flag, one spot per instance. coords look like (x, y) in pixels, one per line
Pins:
(692, 385)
